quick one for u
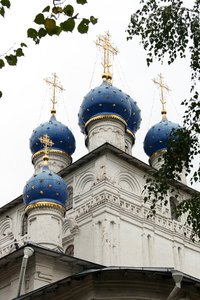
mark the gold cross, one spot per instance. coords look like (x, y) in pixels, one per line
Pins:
(47, 142)
(56, 85)
(103, 41)
(162, 88)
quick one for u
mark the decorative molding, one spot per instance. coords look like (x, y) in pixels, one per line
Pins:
(51, 151)
(84, 183)
(106, 129)
(107, 116)
(129, 183)
(45, 205)
(5, 227)
(8, 247)
(130, 209)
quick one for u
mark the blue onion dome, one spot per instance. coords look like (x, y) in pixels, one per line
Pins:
(102, 102)
(61, 135)
(46, 187)
(135, 118)
(158, 136)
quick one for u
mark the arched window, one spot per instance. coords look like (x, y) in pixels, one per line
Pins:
(70, 250)
(69, 203)
(24, 225)
(173, 205)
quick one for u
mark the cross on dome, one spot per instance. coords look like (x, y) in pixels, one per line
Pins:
(103, 41)
(56, 86)
(162, 88)
(47, 142)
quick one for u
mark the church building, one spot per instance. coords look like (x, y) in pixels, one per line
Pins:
(81, 229)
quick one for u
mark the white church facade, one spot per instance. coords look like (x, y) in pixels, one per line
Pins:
(80, 230)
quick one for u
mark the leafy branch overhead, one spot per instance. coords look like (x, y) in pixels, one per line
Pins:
(49, 25)
(169, 30)
(4, 4)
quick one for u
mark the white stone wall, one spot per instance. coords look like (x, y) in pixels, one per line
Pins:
(108, 222)
(111, 222)
(41, 270)
(11, 229)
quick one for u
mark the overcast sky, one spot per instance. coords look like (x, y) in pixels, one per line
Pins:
(76, 60)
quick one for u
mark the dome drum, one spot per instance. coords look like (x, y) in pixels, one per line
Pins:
(130, 136)
(156, 160)
(104, 117)
(45, 221)
(58, 160)
(105, 130)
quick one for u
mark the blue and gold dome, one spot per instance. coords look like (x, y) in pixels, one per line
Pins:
(106, 101)
(63, 138)
(46, 187)
(158, 136)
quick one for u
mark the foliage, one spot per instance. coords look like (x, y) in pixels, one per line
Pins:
(3, 5)
(169, 30)
(48, 24)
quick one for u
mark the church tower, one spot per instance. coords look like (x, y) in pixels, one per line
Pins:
(107, 114)
(63, 139)
(159, 135)
(45, 196)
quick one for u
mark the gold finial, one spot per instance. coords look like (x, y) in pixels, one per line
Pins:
(47, 142)
(56, 85)
(162, 88)
(103, 41)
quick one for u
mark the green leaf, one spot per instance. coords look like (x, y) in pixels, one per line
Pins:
(19, 52)
(39, 19)
(93, 20)
(5, 3)
(32, 33)
(81, 1)
(2, 11)
(50, 26)
(83, 26)
(11, 59)
(46, 9)
(68, 25)
(68, 10)
(1, 94)
(58, 30)
(42, 32)
(23, 45)
(57, 10)
(2, 64)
